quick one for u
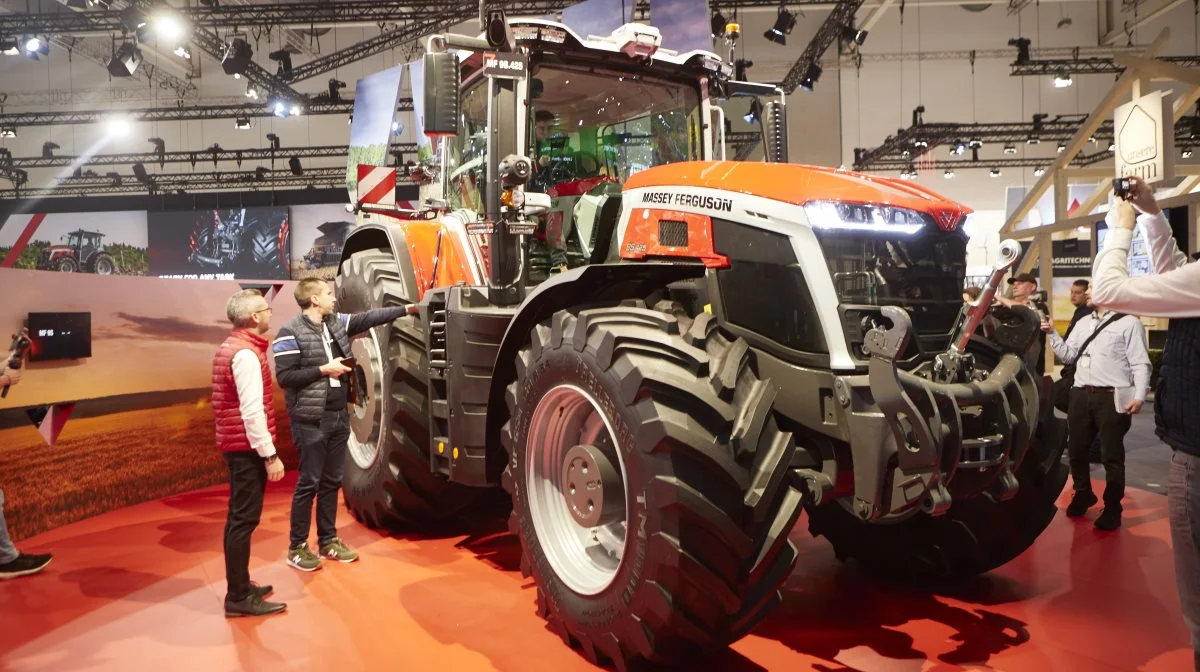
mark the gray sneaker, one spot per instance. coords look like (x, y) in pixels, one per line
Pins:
(336, 550)
(303, 559)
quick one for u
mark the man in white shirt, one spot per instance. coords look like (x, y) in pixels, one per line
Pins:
(1112, 378)
(1173, 292)
(244, 412)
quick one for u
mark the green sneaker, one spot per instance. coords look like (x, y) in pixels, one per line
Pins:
(303, 559)
(336, 550)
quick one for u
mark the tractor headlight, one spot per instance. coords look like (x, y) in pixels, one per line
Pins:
(833, 215)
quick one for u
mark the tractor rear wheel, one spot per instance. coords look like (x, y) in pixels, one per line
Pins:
(267, 248)
(101, 264)
(649, 483)
(975, 535)
(387, 480)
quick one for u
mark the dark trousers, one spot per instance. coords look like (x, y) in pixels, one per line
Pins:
(1092, 414)
(1183, 500)
(322, 451)
(247, 481)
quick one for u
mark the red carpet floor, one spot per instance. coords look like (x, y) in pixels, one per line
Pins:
(141, 589)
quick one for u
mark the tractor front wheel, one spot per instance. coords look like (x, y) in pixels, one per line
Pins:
(649, 483)
(387, 480)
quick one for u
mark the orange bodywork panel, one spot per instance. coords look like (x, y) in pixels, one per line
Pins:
(642, 237)
(799, 184)
(425, 248)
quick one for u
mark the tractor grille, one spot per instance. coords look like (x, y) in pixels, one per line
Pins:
(672, 233)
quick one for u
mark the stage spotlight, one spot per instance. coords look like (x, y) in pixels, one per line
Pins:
(854, 35)
(139, 171)
(241, 123)
(9, 47)
(36, 45)
(251, 92)
(754, 113)
(182, 52)
(237, 57)
(810, 77)
(334, 86)
(294, 164)
(1062, 80)
(8, 131)
(48, 150)
(169, 28)
(285, 62)
(125, 61)
(118, 126)
(133, 20)
(784, 22)
(718, 24)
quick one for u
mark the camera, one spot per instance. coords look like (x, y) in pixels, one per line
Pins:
(1122, 187)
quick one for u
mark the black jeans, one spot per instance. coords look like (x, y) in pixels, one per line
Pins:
(247, 480)
(322, 450)
(1092, 414)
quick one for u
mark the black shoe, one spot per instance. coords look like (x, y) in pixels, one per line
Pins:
(1109, 519)
(252, 606)
(23, 565)
(1081, 502)
(261, 591)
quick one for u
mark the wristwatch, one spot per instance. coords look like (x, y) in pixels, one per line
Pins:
(271, 459)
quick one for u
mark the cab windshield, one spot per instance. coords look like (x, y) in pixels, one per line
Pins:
(587, 124)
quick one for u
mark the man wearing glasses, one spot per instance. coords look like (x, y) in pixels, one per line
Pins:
(244, 411)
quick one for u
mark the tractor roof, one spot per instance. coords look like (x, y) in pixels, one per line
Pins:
(628, 44)
(796, 183)
(77, 232)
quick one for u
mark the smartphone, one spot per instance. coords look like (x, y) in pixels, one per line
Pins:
(349, 362)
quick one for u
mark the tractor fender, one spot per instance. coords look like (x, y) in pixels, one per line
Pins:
(388, 237)
(594, 284)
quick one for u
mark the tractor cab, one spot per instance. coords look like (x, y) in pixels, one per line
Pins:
(589, 112)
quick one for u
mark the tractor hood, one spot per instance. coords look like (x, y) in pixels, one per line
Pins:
(58, 248)
(799, 184)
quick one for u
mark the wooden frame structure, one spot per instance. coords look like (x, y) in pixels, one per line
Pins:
(1140, 71)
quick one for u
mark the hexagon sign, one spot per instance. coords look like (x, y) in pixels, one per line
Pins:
(1145, 138)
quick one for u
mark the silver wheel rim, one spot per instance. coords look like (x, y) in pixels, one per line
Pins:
(365, 420)
(586, 559)
(103, 267)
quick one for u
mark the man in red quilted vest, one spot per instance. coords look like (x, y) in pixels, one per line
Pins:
(244, 410)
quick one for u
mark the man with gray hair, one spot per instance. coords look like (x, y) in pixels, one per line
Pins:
(244, 412)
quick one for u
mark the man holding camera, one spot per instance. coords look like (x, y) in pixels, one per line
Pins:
(243, 408)
(312, 358)
(1024, 292)
(1112, 377)
(12, 562)
(1173, 292)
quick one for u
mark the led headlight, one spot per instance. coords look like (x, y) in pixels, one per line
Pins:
(864, 217)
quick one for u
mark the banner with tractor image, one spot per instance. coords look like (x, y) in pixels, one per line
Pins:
(104, 243)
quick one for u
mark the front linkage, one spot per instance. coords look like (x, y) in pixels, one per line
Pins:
(948, 419)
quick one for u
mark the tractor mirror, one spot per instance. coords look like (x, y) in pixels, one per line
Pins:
(774, 130)
(441, 95)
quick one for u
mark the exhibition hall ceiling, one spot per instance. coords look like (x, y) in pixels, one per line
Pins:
(952, 57)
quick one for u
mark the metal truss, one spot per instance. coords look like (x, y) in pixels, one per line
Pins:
(100, 53)
(914, 141)
(179, 113)
(415, 29)
(1086, 66)
(214, 154)
(986, 164)
(183, 183)
(837, 21)
(214, 46)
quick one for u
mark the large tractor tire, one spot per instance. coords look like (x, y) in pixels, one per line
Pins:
(649, 483)
(975, 535)
(266, 250)
(387, 481)
(101, 263)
